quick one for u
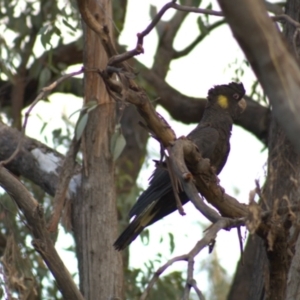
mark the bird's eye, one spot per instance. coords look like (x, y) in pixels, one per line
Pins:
(236, 96)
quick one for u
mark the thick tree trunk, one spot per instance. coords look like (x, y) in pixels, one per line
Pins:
(248, 282)
(95, 214)
(274, 274)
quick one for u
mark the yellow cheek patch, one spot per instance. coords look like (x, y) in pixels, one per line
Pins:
(223, 101)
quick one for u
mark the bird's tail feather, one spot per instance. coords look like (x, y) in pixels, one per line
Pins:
(128, 235)
(135, 228)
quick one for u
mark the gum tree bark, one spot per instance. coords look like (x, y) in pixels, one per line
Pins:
(94, 211)
(271, 271)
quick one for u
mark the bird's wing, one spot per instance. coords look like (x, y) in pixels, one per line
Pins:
(160, 185)
(135, 227)
(206, 138)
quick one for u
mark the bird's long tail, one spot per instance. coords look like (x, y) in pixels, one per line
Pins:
(135, 228)
(128, 235)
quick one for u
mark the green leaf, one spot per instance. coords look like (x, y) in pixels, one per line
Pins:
(44, 77)
(43, 29)
(145, 237)
(57, 30)
(53, 69)
(76, 111)
(117, 144)
(45, 38)
(91, 105)
(69, 25)
(172, 243)
(196, 3)
(209, 6)
(201, 25)
(80, 126)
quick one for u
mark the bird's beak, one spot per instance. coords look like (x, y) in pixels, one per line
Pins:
(242, 104)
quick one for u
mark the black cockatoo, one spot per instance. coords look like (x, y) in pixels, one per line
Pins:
(225, 103)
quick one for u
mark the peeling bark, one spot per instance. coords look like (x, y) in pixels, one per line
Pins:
(27, 161)
(94, 208)
(279, 279)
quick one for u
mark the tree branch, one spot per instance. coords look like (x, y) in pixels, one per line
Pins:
(189, 165)
(208, 238)
(199, 39)
(35, 161)
(34, 215)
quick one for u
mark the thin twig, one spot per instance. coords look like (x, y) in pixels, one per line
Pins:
(197, 10)
(116, 60)
(65, 176)
(200, 38)
(197, 290)
(140, 38)
(159, 272)
(210, 235)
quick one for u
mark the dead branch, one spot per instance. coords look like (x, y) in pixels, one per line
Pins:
(34, 215)
(208, 238)
(196, 10)
(140, 36)
(156, 124)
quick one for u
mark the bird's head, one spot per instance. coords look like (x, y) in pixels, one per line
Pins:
(228, 97)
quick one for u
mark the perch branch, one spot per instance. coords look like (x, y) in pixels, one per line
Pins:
(188, 165)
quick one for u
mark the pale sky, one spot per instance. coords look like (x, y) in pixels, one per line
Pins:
(193, 75)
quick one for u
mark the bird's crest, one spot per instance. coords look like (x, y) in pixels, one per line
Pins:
(226, 89)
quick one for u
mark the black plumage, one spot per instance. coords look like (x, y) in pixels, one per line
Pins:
(225, 103)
